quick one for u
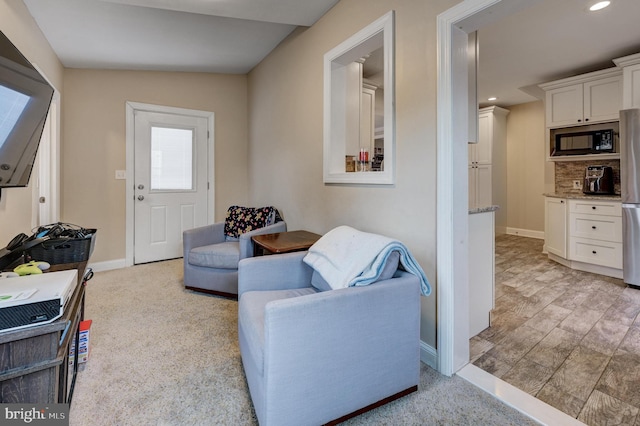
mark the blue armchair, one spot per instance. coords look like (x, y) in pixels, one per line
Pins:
(313, 356)
(211, 256)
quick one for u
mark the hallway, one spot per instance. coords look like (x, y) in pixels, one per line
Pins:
(569, 338)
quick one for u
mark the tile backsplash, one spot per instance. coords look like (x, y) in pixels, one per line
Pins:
(568, 171)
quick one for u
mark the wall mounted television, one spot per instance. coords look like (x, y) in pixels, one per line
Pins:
(25, 97)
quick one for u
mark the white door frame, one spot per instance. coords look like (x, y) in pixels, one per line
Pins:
(48, 171)
(452, 200)
(131, 108)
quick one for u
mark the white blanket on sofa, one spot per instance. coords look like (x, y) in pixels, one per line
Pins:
(347, 257)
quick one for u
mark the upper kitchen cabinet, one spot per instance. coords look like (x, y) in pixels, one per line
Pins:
(585, 99)
(630, 80)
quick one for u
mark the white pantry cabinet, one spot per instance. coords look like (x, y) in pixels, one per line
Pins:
(588, 98)
(487, 159)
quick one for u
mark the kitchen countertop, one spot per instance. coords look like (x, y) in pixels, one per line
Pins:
(484, 209)
(581, 196)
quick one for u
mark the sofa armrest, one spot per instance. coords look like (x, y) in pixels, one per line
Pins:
(363, 344)
(202, 236)
(274, 272)
(246, 244)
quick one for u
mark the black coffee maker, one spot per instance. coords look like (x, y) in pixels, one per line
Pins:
(598, 180)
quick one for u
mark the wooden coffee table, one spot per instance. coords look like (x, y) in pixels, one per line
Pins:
(283, 242)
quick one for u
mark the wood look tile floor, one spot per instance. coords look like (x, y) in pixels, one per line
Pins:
(567, 337)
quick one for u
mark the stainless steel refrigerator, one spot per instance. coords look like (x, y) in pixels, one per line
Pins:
(630, 188)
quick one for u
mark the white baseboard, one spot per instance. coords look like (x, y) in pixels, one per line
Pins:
(107, 265)
(429, 355)
(587, 267)
(526, 233)
(518, 399)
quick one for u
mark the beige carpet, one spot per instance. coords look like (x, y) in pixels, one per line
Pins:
(165, 356)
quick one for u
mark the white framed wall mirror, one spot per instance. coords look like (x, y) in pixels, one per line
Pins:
(359, 112)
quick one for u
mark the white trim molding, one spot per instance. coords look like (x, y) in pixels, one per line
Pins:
(429, 355)
(453, 27)
(525, 233)
(380, 33)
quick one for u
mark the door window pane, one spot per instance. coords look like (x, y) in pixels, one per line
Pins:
(171, 159)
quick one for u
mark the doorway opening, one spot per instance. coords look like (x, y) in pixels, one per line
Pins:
(453, 27)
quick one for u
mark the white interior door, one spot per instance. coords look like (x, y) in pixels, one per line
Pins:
(44, 174)
(170, 182)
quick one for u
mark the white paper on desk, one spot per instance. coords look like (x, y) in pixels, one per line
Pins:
(16, 295)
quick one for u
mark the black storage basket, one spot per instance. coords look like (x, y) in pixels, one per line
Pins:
(57, 251)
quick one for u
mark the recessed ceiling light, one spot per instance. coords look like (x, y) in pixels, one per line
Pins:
(493, 98)
(599, 5)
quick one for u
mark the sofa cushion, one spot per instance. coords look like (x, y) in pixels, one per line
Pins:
(389, 269)
(244, 219)
(222, 255)
(251, 317)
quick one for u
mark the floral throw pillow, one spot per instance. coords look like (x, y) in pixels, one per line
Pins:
(244, 219)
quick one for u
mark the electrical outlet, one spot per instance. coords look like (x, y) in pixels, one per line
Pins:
(121, 174)
(577, 184)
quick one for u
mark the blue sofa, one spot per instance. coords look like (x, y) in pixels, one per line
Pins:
(312, 357)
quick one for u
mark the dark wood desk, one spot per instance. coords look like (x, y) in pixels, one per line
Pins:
(34, 361)
(283, 242)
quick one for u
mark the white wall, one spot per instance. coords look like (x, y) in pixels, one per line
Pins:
(529, 175)
(94, 143)
(285, 140)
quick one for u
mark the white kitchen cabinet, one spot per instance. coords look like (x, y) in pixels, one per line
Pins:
(480, 182)
(630, 80)
(595, 232)
(564, 106)
(588, 98)
(481, 153)
(367, 117)
(555, 232)
(481, 270)
(631, 84)
(487, 159)
(585, 234)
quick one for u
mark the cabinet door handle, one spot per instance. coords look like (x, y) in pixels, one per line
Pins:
(593, 207)
(594, 252)
(593, 227)
(586, 119)
(561, 201)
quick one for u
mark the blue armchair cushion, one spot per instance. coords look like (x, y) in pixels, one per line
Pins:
(251, 317)
(244, 219)
(222, 255)
(388, 270)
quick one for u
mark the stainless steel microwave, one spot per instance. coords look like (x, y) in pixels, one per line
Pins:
(586, 142)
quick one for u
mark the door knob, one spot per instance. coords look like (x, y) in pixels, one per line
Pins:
(140, 197)
(141, 186)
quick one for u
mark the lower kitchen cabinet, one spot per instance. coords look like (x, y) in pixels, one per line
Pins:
(555, 232)
(481, 270)
(585, 234)
(595, 232)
